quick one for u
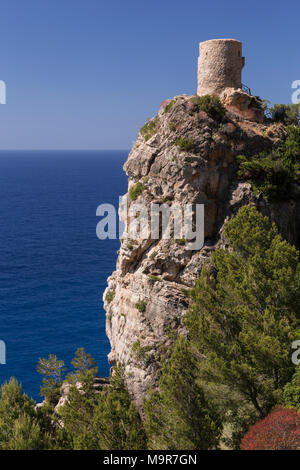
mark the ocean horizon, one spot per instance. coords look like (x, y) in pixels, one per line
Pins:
(53, 268)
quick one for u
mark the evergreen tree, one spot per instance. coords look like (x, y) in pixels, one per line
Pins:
(19, 421)
(116, 421)
(84, 362)
(26, 435)
(13, 403)
(77, 414)
(291, 393)
(179, 416)
(52, 370)
(101, 420)
(243, 320)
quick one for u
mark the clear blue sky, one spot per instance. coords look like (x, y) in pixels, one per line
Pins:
(85, 74)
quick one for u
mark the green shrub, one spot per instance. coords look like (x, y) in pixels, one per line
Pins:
(172, 126)
(180, 241)
(136, 190)
(289, 114)
(139, 353)
(269, 176)
(169, 106)
(153, 278)
(141, 305)
(149, 129)
(272, 174)
(211, 105)
(184, 144)
(110, 296)
(291, 393)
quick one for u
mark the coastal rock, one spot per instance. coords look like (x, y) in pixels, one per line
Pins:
(183, 156)
(243, 104)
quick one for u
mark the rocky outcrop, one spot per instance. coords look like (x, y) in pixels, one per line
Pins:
(181, 156)
(244, 105)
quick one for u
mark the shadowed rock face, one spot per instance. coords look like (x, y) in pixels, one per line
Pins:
(158, 272)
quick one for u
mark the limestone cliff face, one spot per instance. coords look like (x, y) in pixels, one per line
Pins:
(146, 296)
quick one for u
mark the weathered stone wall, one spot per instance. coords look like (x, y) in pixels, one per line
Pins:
(220, 66)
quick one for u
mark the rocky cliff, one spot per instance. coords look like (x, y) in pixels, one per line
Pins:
(183, 155)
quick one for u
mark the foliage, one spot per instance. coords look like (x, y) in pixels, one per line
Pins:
(26, 435)
(184, 144)
(84, 362)
(52, 370)
(101, 420)
(153, 277)
(116, 420)
(280, 430)
(19, 426)
(180, 241)
(92, 419)
(291, 393)
(110, 296)
(149, 129)
(273, 174)
(77, 415)
(169, 105)
(172, 126)
(243, 321)
(136, 190)
(141, 306)
(211, 105)
(179, 416)
(288, 114)
(139, 353)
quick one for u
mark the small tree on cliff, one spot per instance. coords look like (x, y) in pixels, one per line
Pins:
(280, 430)
(83, 362)
(243, 321)
(52, 370)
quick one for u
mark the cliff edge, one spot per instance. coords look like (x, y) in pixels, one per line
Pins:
(184, 155)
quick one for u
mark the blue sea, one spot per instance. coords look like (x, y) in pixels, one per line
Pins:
(53, 268)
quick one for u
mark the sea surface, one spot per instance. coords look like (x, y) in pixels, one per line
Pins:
(53, 268)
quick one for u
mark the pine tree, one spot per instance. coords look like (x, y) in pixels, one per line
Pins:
(19, 421)
(179, 416)
(116, 421)
(105, 420)
(291, 393)
(84, 362)
(243, 320)
(52, 370)
(26, 435)
(77, 414)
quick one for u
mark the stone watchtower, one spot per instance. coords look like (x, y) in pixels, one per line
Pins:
(220, 66)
